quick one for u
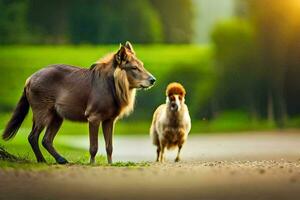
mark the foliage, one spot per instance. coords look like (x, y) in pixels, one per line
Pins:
(256, 62)
(177, 17)
(95, 21)
(239, 71)
(13, 23)
(277, 30)
(114, 21)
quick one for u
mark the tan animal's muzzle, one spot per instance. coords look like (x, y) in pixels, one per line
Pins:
(174, 107)
(174, 103)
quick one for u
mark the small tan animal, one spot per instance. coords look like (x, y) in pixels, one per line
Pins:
(171, 122)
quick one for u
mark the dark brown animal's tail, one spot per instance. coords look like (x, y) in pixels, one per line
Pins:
(17, 118)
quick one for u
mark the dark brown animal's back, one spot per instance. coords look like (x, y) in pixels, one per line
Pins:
(61, 88)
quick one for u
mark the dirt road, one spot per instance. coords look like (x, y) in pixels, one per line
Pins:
(244, 146)
(247, 166)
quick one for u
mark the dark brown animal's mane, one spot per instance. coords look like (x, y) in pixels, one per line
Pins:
(108, 68)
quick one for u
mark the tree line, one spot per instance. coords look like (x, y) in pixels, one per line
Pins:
(95, 21)
(257, 60)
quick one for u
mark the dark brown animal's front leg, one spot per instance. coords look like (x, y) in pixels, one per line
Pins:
(93, 129)
(108, 127)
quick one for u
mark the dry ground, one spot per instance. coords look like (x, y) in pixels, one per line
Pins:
(229, 167)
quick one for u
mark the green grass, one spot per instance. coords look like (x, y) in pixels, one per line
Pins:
(20, 147)
(130, 164)
(231, 121)
(19, 62)
(25, 158)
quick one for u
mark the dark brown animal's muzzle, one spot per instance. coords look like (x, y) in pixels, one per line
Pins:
(152, 80)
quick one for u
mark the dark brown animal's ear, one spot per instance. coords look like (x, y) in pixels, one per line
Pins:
(121, 55)
(128, 45)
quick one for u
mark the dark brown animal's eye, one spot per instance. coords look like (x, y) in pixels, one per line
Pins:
(134, 68)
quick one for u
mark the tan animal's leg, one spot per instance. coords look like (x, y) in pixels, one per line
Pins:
(162, 152)
(93, 130)
(107, 127)
(177, 159)
(158, 153)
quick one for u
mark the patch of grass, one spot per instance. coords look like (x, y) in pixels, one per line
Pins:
(293, 122)
(4, 155)
(130, 164)
(23, 165)
(8, 160)
(20, 156)
(232, 121)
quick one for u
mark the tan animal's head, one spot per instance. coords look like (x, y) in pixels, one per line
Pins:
(175, 96)
(129, 66)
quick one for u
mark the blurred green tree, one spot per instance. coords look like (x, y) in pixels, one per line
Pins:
(278, 29)
(96, 21)
(48, 21)
(111, 21)
(13, 23)
(177, 17)
(239, 72)
(257, 58)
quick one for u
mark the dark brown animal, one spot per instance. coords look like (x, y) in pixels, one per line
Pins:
(101, 94)
(171, 122)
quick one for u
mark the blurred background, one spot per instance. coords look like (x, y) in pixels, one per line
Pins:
(239, 60)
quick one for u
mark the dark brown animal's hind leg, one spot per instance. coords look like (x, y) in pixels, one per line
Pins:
(47, 142)
(93, 129)
(107, 127)
(33, 139)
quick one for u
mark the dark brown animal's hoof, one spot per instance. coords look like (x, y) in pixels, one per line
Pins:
(61, 161)
(41, 160)
(177, 159)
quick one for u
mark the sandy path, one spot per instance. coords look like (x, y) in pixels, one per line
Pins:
(246, 146)
(217, 167)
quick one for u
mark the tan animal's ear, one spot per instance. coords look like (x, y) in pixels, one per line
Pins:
(128, 45)
(121, 55)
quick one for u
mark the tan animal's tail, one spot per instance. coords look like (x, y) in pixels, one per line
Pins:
(17, 118)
